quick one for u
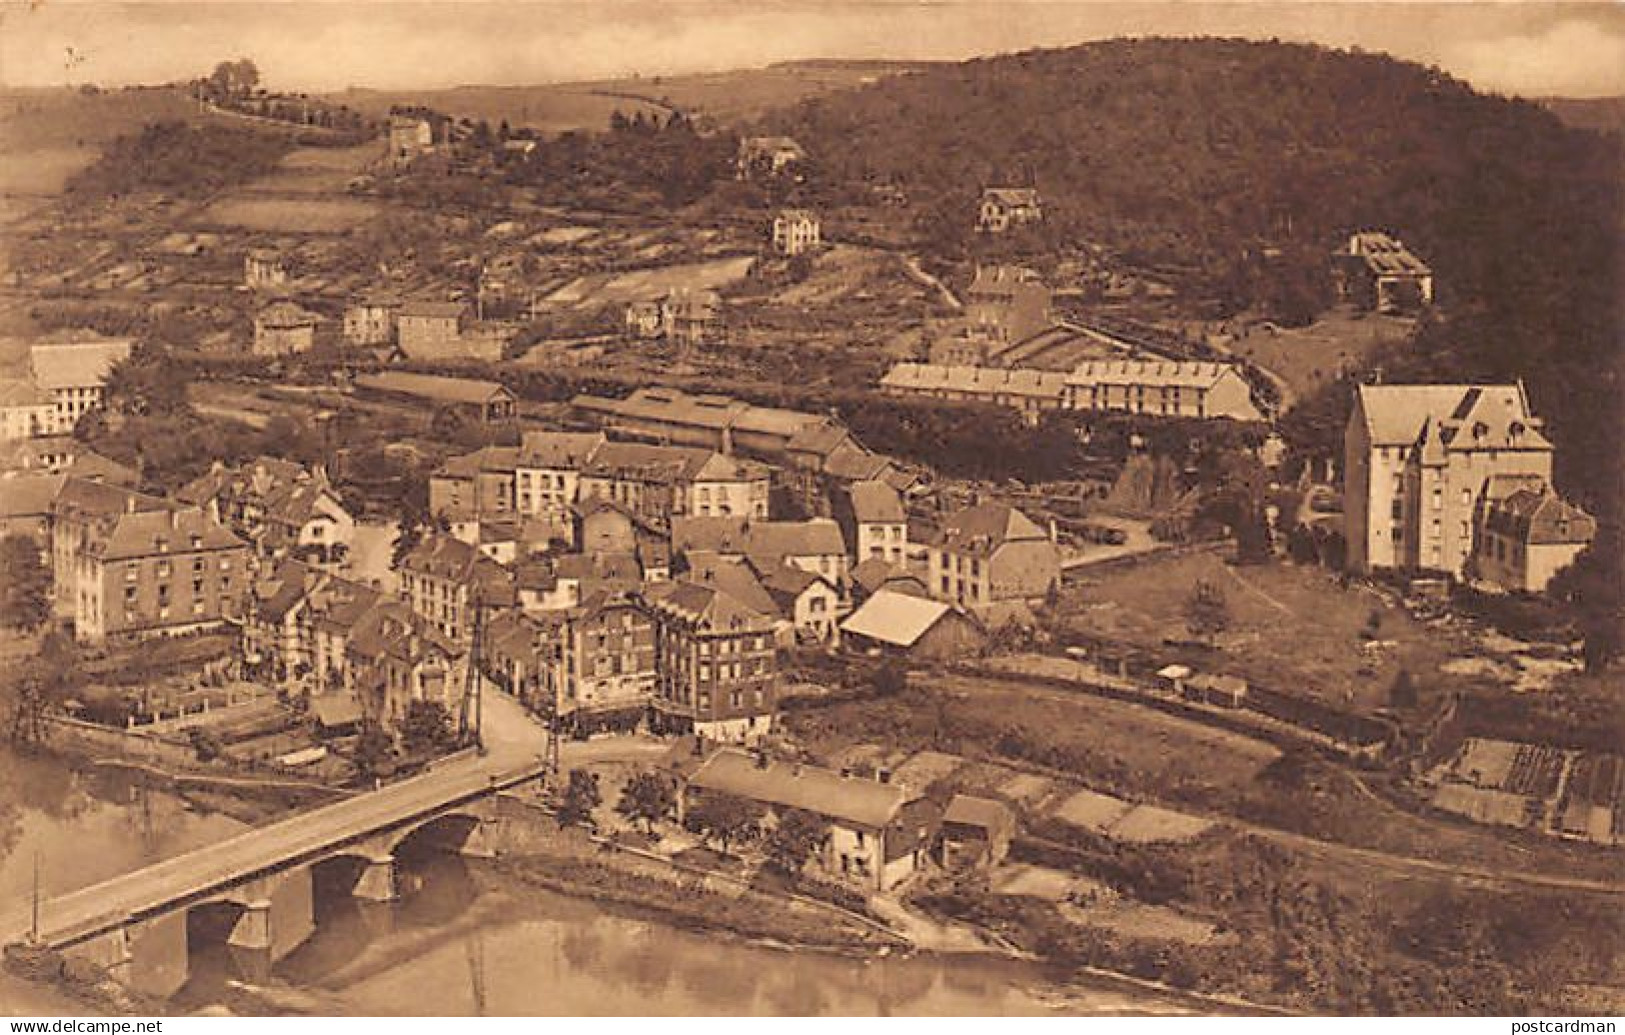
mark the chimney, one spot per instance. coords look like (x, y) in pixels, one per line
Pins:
(129, 504)
(883, 775)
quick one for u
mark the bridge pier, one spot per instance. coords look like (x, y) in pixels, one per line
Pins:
(279, 913)
(147, 956)
(377, 880)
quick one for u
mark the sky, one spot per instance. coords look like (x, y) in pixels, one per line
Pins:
(1529, 48)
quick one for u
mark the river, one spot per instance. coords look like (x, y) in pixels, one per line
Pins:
(463, 940)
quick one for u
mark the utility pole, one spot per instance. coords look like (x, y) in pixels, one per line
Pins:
(33, 927)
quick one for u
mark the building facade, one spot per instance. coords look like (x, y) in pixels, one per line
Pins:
(989, 554)
(718, 672)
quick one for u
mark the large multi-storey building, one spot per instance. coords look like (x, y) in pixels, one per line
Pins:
(1417, 459)
(73, 376)
(718, 674)
(445, 580)
(157, 573)
(989, 554)
(878, 523)
(547, 475)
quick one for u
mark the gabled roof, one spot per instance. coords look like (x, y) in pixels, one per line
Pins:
(1183, 374)
(29, 495)
(644, 462)
(277, 594)
(877, 503)
(434, 388)
(153, 532)
(710, 609)
(982, 529)
(80, 365)
(79, 495)
(1386, 256)
(1014, 196)
(441, 556)
(732, 577)
(770, 543)
(340, 603)
(558, 450)
(992, 382)
(985, 813)
(295, 504)
(284, 314)
(873, 573)
(899, 619)
(20, 391)
(786, 584)
(1457, 417)
(496, 459)
(864, 802)
(1541, 518)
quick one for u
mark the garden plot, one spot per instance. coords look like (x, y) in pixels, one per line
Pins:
(1126, 821)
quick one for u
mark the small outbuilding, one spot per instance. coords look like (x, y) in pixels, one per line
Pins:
(899, 623)
(975, 833)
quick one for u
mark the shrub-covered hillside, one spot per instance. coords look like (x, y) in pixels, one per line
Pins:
(1182, 153)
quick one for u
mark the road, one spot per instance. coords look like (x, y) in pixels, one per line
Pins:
(514, 744)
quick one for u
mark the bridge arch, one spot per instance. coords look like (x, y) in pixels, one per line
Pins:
(456, 831)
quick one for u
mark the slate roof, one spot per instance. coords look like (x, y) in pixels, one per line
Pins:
(20, 391)
(987, 381)
(734, 578)
(862, 802)
(80, 365)
(983, 813)
(1541, 518)
(1449, 415)
(873, 573)
(29, 495)
(877, 503)
(983, 528)
(709, 608)
(1150, 372)
(139, 535)
(559, 450)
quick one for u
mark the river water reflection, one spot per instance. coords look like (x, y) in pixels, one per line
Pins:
(463, 940)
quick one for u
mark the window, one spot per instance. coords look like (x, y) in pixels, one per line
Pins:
(129, 594)
(131, 571)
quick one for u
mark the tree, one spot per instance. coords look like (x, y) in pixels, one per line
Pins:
(412, 520)
(149, 383)
(1403, 693)
(647, 798)
(581, 796)
(889, 679)
(798, 835)
(370, 757)
(725, 819)
(25, 584)
(40, 686)
(426, 727)
(1207, 613)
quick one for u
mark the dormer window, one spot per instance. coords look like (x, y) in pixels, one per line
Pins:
(197, 542)
(162, 543)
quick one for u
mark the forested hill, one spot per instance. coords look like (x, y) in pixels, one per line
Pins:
(1183, 152)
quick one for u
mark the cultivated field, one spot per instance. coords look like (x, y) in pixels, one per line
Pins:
(243, 210)
(1291, 628)
(598, 290)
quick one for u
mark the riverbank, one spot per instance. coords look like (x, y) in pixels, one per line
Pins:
(574, 863)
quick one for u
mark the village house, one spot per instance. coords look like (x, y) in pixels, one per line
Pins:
(282, 508)
(485, 401)
(875, 522)
(894, 623)
(975, 833)
(475, 485)
(718, 671)
(371, 320)
(80, 513)
(604, 672)
(425, 330)
(1031, 392)
(278, 641)
(1527, 534)
(411, 136)
(547, 475)
(796, 230)
(264, 268)
(64, 454)
(1162, 388)
(642, 321)
(988, 554)
(283, 329)
(660, 483)
(1416, 462)
(25, 411)
(809, 602)
(158, 572)
(394, 657)
(766, 156)
(1005, 207)
(814, 545)
(690, 318)
(1007, 303)
(1378, 272)
(873, 575)
(73, 375)
(878, 834)
(446, 581)
(334, 612)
